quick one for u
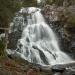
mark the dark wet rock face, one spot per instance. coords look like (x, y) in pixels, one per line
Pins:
(13, 38)
(52, 16)
(58, 68)
(15, 31)
(65, 69)
(1, 31)
(57, 19)
(70, 40)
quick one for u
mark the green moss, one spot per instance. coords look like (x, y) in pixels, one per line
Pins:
(71, 20)
(67, 17)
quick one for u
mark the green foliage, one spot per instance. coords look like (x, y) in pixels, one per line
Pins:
(7, 10)
(9, 7)
(49, 1)
(71, 20)
(57, 2)
(29, 3)
(69, 17)
(2, 46)
(60, 2)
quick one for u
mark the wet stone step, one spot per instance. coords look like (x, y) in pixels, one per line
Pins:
(58, 68)
(65, 69)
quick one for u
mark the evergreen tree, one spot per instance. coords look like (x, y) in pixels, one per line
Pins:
(29, 3)
(7, 10)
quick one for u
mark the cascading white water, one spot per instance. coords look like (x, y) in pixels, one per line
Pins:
(38, 43)
(38, 1)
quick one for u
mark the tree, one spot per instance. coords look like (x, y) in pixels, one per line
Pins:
(7, 10)
(29, 3)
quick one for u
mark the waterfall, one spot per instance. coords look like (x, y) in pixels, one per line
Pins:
(38, 43)
(38, 1)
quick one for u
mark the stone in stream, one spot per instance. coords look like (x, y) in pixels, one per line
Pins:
(65, 69)
(57, 74)
(58, 68)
